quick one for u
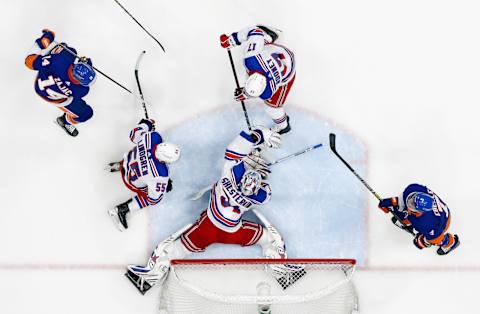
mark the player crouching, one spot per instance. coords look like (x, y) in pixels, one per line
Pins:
(422, 212)
(240, 188)
(271, 70)
(144, 171)
(62, 80)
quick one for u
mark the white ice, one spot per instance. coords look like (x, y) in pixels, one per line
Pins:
(398, 79)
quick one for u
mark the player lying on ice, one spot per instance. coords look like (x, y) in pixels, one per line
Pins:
(62, 79)
(271, 70)
(240, 188)
(144, 171)
(422, 212)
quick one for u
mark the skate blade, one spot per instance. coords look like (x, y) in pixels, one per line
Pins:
(110, 168)
(61, 127)
(116, 221)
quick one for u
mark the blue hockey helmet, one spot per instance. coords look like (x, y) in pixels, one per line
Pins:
(420, 202)
(84, 73)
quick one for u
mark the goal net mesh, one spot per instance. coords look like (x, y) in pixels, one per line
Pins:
(260, 286)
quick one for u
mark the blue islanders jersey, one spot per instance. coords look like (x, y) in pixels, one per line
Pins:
(431, 224)
(275, 62)
(227, 203)
(142, 172)
(54, 82)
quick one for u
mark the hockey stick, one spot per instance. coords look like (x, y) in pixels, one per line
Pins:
(238, 86)
(138, 84)
(200, 193)
(96, 69)
(334, 150)
(140, 25)
(306, 150)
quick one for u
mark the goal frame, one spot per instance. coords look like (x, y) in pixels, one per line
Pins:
(227, 261)
(348, 262)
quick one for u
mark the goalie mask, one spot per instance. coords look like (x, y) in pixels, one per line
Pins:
(250, 182)
(420, 202)
(255, 85)
(167, 152)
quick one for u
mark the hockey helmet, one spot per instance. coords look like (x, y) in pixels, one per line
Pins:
(255, 85)
(167, 152)
(250, 182)
(83, 73)
(420, 202)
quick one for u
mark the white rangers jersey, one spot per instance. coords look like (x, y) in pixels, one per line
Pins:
(275, 62)
(142, 172)
(227, 204)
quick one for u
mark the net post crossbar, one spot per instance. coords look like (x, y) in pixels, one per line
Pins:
(247, 285)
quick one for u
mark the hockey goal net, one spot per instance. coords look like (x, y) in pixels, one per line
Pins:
(293, 286)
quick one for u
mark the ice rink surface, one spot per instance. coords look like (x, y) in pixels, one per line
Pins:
(312, 190)
(398, 82)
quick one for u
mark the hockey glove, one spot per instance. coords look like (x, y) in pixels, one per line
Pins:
(150, 124)
(46, 39)
(229, 41)
(169, 185)
(407, 228)
(143, 126)
(86, 60)
(262, 135)
(388, 204)
(420, 241)
(239, 94)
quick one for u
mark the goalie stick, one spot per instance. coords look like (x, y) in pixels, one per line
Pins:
(144, 106)
(200, 193)
(306, 150)
(333, 147)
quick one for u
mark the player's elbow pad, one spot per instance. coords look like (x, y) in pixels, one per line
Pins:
(29, 60)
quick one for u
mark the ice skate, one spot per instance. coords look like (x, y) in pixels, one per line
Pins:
(70, 129)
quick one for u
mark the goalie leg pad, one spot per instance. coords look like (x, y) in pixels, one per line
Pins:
(272, 243)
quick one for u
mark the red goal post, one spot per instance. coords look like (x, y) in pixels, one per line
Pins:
(266, 286)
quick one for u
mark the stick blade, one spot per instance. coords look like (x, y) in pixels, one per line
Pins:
(139, 59)
(332, 138)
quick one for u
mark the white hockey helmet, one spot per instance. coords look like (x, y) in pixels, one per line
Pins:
(167, 152)
(255, 85)
(250, 182)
